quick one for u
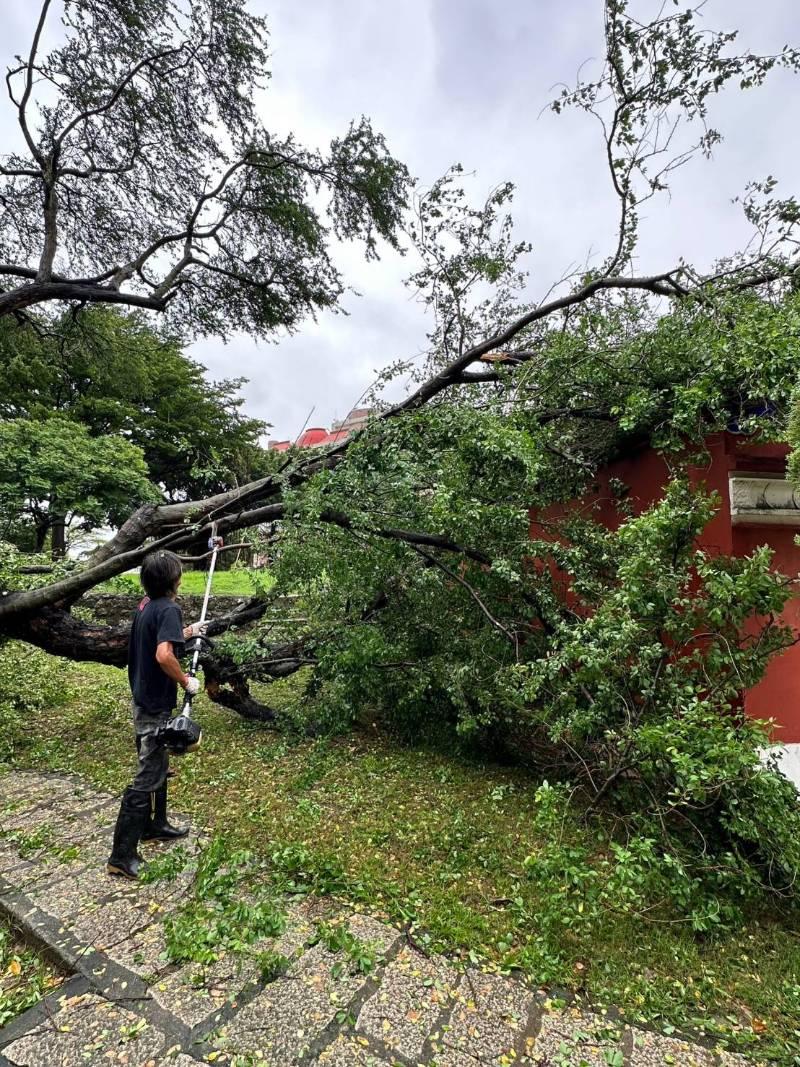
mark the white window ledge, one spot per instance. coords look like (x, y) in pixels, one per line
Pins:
(763, 501)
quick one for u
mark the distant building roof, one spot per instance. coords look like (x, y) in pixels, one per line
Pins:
(319, 437)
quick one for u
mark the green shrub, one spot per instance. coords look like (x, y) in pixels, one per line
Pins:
(29, 680)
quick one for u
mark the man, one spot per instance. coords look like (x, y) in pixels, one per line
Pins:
(156, 641)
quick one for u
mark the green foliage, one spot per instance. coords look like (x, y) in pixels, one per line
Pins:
(272, 965)
(220, 918)
(639, 696)
(338, 939)
(601, 678)
(166, 867)
(116, 375)
(26, 686)
(123, 584)
(54, 470)
(300, 870)
(614, 690)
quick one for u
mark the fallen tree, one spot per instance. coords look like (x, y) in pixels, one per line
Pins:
(96, 139)
(410, 542)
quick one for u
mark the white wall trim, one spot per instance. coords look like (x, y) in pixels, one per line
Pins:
(763, 501)
(788, 760)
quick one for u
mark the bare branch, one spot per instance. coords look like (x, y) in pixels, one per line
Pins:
(23, 103)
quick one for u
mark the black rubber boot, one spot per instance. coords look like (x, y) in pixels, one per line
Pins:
(124, 859)
(158, 827)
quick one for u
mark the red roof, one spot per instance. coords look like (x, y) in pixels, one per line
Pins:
(314, 437)
(319, 437)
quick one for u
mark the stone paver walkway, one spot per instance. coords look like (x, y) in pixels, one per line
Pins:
(126, 1004)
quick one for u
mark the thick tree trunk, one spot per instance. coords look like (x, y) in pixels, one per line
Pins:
(42, 526)
(59, 537)
(57, 631)
(62, 634)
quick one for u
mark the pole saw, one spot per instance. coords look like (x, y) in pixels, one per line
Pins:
(182, 733)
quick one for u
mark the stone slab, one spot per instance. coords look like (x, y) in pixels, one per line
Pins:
(490, 1015)
(195, 992)
(283, 1022)
(144, 953)
(379, 936)
(87, 1031)
(21, 790)
(657, 1050)
(413, 993)
(13, 866)
(56, 844)
(54, 860)
(354, 1052)
(571, 1038)
(60, 811)
(452, 1057)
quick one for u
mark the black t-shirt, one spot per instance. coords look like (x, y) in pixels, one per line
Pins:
(155, 621)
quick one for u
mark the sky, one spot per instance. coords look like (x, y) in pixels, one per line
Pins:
(466, 81)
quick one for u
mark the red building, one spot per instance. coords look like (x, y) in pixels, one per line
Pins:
(318, 436)
(758, 506)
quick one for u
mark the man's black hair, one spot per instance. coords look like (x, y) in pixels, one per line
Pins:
(160, 573)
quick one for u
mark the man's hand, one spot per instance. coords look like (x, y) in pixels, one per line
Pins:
(191, 685)
(197, 629)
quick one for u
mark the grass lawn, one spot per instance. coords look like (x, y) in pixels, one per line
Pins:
(428, 837)
(236, 582)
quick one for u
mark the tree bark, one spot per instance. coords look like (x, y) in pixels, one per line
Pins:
(237, 697)
(30, 295)
(42, 526)
(59, 537)
(61, 634)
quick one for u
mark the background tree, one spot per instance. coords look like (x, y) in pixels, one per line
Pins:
(54, 474)
(115, 374)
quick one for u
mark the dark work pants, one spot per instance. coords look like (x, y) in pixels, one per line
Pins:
(153, 757)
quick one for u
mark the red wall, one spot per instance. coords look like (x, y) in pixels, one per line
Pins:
(646, 473)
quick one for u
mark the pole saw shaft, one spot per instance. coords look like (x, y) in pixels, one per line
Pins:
(207, 596)
(187, 705)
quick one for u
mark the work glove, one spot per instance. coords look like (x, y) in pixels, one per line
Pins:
(192, 686)
(197, 629)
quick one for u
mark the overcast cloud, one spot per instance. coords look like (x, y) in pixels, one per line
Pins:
(465, 81)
